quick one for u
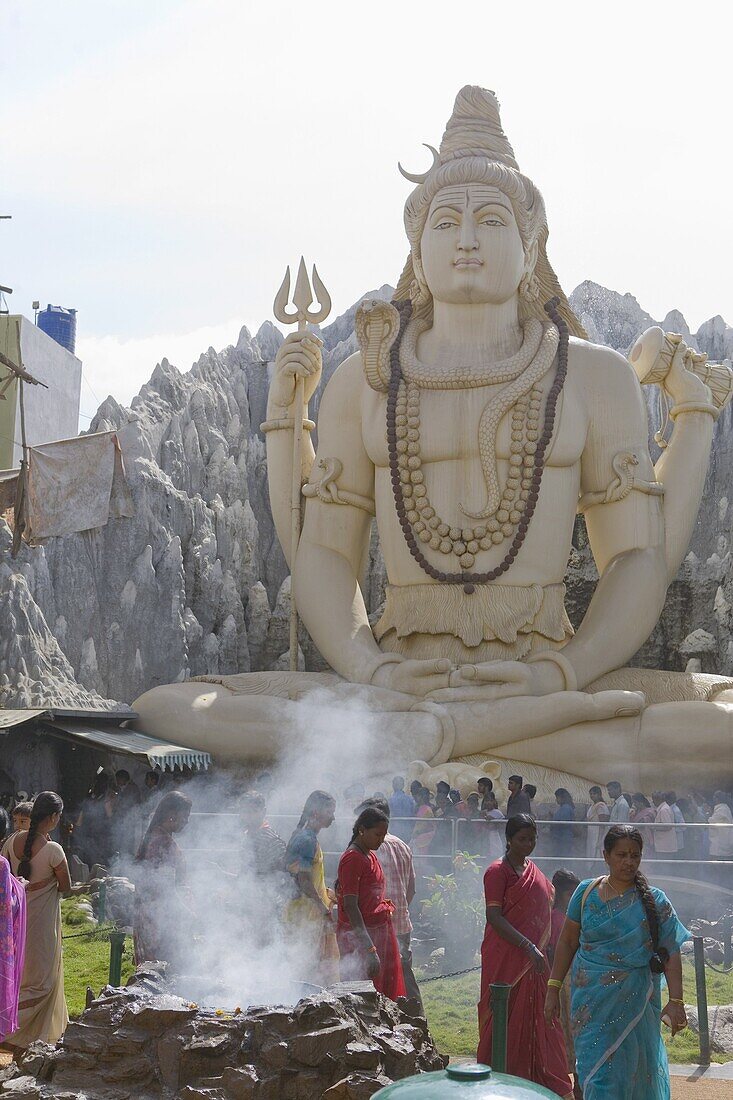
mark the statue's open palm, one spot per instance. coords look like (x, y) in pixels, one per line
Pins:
(443, 682)
(491, 680)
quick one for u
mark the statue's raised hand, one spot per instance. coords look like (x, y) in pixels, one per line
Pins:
(415, 677)
(299, 356)
(680, 383)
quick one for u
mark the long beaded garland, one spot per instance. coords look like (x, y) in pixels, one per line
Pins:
(416, 515)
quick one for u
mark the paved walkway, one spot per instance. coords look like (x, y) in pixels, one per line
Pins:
(704, 1073)
(701, 1088)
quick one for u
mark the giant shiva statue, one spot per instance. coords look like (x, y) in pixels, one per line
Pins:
(474, 422)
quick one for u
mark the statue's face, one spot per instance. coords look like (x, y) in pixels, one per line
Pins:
(471, 248)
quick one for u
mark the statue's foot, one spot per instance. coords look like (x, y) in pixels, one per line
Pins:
(617, 704)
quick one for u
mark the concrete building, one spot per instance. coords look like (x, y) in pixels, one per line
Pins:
(49, 414)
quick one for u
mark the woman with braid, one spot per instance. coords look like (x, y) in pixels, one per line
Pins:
(621, 935)
(366, 937)
(33, 856)
(307, 916)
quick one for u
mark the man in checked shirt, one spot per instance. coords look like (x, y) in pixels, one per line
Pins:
(399, 886)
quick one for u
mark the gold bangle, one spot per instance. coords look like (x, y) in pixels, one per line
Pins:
(554, 983)
(676, 1001)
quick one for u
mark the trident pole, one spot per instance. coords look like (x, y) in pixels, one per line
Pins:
(295, 495)
(302, 300)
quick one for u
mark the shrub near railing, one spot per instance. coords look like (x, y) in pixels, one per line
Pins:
(455, 909)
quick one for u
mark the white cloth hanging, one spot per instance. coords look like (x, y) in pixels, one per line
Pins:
(75, 485)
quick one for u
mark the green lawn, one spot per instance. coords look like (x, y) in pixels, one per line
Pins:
(450, 1006)
(86, 959)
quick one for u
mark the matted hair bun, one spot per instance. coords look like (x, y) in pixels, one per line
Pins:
(474, 129)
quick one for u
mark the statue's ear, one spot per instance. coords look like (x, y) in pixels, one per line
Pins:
(377, 326)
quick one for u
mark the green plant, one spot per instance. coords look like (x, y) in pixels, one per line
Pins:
(455, 906)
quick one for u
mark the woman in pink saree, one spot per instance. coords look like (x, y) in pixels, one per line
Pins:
(518, 925)
(12, 947)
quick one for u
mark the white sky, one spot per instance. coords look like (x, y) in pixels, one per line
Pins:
(164, 160)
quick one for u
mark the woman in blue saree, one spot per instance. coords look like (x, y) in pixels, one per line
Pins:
(621, 935)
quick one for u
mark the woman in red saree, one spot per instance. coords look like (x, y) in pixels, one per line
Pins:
(366, 939)
(518, 925)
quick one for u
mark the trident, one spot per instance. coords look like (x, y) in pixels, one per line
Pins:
(302, 299)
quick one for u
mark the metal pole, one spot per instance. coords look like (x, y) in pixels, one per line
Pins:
(702, 1000)
(499, 1013)
(116, 947)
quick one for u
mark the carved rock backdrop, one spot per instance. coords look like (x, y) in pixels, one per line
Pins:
(196, 581)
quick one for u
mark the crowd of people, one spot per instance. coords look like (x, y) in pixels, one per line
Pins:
(673, 827)
(112, 817)
(614, 935)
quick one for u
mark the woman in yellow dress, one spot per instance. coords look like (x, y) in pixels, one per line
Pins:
(307, 916)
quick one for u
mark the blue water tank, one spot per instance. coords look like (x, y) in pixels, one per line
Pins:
(60, 325)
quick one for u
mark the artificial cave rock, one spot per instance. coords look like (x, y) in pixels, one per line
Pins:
(142, 1043)
(196, 583)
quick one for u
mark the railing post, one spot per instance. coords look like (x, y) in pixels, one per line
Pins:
(116, 947)
(499, 1013)
(702, 1000)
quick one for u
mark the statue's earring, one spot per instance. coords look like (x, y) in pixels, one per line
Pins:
(418, 293)
(529, 287)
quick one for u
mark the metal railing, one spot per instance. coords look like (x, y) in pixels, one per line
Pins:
(215, 837)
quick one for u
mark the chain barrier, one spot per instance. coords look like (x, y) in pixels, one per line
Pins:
(719, 970)
(453, 974)
(94, 932)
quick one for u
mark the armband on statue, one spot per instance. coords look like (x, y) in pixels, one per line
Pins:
(327, 491)
(622, 484)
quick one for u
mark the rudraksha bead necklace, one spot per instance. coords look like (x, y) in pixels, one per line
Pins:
(415, 513)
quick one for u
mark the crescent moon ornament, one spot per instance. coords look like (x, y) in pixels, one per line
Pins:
(415, 177)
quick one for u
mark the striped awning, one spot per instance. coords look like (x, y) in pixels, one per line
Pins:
(158, 754)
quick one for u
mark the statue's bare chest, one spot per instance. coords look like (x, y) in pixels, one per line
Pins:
(450, 426)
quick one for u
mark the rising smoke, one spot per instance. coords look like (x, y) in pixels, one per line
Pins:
(229, 947)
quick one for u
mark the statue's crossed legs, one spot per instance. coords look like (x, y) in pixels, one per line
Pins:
(259, 717)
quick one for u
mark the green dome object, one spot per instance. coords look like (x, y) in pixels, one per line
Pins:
(470, 1081)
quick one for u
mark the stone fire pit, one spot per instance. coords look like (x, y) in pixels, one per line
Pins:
(141, 1043)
